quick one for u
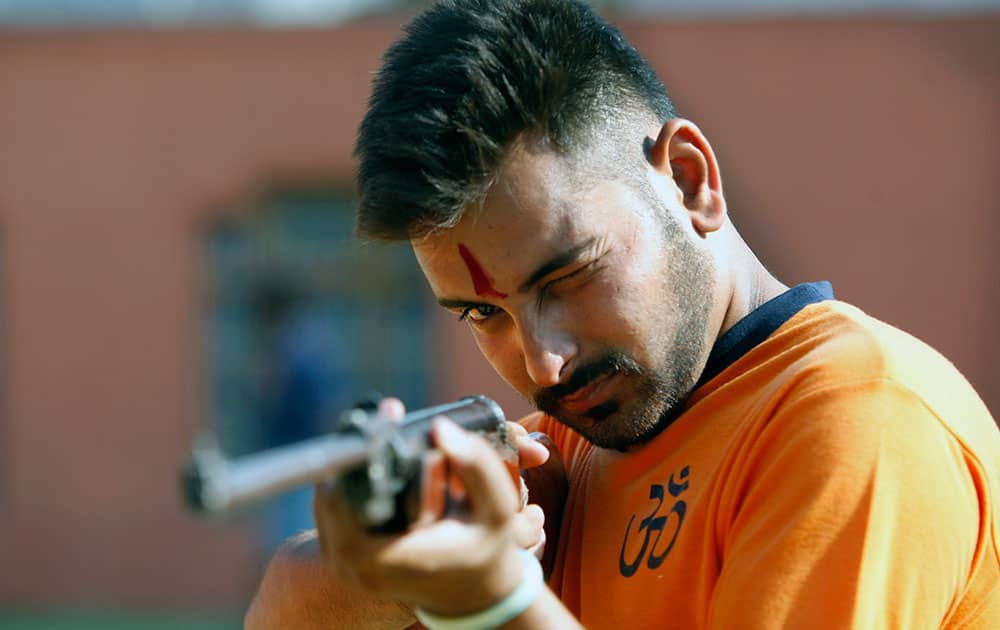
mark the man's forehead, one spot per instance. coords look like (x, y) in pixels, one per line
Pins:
(534, 211)
(537, 177)
(487, 261)
(499, 234)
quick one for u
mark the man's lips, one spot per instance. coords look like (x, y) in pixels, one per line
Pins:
(588, 396)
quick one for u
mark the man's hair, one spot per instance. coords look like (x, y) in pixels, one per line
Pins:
(472, 77)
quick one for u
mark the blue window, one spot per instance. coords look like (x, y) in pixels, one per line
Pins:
(301, 320)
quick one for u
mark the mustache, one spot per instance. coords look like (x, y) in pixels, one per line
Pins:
(548, 399)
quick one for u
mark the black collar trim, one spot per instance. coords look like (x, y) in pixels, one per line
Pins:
(760, 323)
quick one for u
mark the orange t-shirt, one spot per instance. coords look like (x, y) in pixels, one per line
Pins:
(838, 474)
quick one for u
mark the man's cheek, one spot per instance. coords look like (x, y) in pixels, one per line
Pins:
(506, 361)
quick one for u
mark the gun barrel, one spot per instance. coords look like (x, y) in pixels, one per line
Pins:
(213, 484)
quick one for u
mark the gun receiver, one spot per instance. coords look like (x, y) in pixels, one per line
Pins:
(378, 459)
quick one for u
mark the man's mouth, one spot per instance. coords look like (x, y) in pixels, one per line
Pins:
(595, 393)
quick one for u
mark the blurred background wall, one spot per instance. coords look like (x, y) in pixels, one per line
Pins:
(161, 169)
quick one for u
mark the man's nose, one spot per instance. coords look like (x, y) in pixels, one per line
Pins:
(548, 353)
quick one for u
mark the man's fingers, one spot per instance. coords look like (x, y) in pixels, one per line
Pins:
(529, 526)
(490, 490)
(531, 450)
(516, 430)
(391, 408)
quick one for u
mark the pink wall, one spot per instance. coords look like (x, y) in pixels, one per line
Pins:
(864, 152)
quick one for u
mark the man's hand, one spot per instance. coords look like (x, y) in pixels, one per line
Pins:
(455, 566)
(301, 590)
(547, 489)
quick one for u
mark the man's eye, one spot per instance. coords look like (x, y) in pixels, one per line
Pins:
(478, 314)
(573, 274)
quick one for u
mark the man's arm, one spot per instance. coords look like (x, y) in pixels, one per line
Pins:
(298, 591)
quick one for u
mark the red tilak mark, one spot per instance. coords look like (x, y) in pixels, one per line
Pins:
(482, 283)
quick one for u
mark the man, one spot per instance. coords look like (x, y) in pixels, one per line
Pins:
(739, 454)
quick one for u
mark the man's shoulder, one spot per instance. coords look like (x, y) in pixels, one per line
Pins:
(837, 341)
(865, 368)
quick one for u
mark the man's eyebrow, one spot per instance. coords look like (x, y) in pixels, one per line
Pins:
(456, 304)
(559, 260)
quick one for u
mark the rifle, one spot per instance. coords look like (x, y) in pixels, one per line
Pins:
(387, 467)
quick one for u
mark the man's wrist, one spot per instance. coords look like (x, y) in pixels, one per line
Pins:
(481, 592)
(519, 599)
(505, 575)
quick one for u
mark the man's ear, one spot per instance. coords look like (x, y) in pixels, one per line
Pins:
(682, 152)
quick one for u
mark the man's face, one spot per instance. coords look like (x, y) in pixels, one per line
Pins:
(593, 301)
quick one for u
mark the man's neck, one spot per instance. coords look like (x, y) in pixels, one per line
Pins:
(752, 284)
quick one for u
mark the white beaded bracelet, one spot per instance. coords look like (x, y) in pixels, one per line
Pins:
(500, 613)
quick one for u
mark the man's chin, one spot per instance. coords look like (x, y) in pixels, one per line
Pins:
(603, 426)
(585, 422)
(610, 426)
